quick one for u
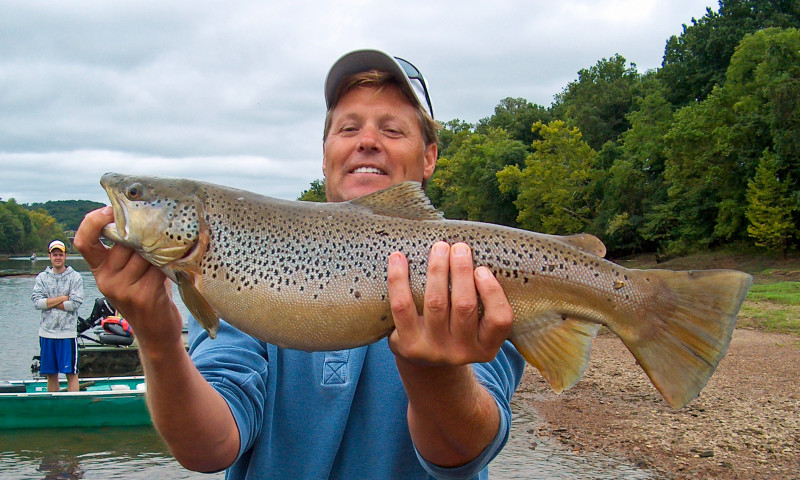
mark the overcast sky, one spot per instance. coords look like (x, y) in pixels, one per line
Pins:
(231, 92)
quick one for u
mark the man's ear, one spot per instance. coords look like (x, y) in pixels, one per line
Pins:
(431, 154)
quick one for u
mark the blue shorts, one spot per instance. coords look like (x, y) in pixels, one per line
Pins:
(59, 355)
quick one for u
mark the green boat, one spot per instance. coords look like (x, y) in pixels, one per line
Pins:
(101, 402)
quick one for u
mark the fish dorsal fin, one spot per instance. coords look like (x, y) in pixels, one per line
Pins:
(404, 200)
(583, 241)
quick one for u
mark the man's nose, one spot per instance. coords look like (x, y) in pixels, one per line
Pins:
(368, 141)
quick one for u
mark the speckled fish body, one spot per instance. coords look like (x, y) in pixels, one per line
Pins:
(312, 276)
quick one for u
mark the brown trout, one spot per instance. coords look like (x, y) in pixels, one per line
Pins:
(312, 276)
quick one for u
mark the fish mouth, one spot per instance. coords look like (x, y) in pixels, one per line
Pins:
(121, 216)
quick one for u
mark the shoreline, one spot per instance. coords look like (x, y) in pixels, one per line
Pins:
(744, 425)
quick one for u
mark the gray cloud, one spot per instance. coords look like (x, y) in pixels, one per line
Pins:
(232, 92)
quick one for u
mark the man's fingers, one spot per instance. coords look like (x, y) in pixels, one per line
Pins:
(498, 316)
(436, 310)
(463, 299)
(402, 303)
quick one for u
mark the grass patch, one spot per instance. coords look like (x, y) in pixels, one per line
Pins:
(773, 307)
(786, 293)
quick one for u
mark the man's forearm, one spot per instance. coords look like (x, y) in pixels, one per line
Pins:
(56, 302)
(190, 415)
(451, 416)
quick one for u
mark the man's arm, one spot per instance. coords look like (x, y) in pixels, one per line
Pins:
(451, 416)
(190, 415)
(56, 302)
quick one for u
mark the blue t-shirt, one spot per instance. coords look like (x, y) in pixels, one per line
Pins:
(331, 414)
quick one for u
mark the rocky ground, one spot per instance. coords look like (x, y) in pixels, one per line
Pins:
(744, 425)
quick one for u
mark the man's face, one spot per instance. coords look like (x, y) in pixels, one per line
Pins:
(57, 258)
(375, 141)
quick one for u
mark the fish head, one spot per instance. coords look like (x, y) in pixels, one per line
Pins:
(160, 218)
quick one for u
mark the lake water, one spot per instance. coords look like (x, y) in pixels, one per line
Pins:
(138, 453)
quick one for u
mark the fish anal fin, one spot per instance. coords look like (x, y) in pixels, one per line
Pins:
(558, 346)
(404, 200)
(194, 301)
(583, 241)
(680, 340)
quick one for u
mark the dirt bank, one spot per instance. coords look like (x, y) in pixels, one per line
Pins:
(744, 425)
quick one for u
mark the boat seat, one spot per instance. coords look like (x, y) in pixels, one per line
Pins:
(111, 339)
(6, 387)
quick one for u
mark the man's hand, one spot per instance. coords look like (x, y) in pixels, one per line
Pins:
(450, 330)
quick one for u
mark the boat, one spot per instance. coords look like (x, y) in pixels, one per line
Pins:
(101, 402)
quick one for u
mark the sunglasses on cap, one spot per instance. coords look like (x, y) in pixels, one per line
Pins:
(414, 74)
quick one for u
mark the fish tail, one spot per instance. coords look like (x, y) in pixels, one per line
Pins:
(681, 339)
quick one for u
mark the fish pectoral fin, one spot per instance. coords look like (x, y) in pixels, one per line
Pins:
(404, 200)
(194, 301)
(557, 345)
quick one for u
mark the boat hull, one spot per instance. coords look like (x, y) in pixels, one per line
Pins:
(103, 402)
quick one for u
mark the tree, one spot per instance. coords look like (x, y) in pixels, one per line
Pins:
(452, 134)
(11, 231)
(599, 100)
(634, 184)
(770, 207)
(554, 189)
(516, 116)
(315, 193)
(715, 146)
(68, 213)
(464, 184)
(697, 60)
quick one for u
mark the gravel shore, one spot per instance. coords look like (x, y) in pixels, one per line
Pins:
(744, 425)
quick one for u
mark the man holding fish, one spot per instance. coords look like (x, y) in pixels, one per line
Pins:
(432, 399)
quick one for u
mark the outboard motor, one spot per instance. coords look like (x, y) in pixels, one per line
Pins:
(102, 308)
(116, 329)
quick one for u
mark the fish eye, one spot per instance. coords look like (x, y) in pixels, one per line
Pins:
(134, 191)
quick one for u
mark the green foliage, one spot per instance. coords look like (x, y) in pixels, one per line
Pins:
(554, 188)
(598, 102)
(26, 231)
(315, 193)
(769, 207)
(452, 134)
(69, 213)
(697, 60)
(714, 146)
(464, 185)
(515, 116)
(633, 186)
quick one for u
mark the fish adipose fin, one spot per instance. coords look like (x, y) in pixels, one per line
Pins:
(194, 301)
(585, 242)
(558, 346)
(680, 340)
(404, 200)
